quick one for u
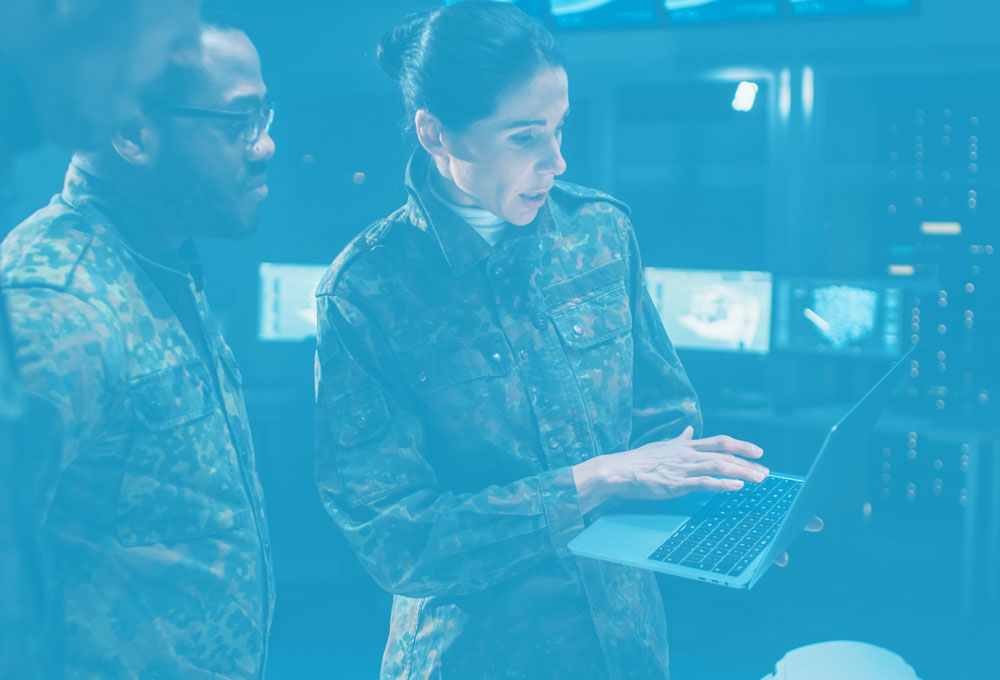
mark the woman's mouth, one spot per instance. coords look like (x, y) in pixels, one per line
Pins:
(536, 199)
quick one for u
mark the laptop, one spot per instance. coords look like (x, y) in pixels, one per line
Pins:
(734, 536)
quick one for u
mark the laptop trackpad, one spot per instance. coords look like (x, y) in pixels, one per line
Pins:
(625, 538)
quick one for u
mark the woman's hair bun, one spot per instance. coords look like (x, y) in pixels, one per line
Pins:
(456, 61)
(394, 45)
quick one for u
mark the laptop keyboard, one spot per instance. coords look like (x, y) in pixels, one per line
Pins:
(726, 534)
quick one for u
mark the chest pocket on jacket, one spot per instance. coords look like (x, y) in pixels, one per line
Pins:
(592, 314)
(470, 395)
(181, 477)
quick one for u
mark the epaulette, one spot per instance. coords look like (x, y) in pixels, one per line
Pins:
(46, 249)
(362, 243)
(581, 193)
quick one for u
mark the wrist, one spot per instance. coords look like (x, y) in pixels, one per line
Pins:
(593, 488)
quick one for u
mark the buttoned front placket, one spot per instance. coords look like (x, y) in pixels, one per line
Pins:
(545, 369)
(541, 359)
(229, 392)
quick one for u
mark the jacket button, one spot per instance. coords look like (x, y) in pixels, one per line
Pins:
(553, 443)
(496, 358)
(421, 377)
(362, 422)
(540, 321)
(523, 354)
(578, 329)
(497, 270)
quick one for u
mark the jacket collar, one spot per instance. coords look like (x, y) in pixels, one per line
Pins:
(461, 246)
(93, 197)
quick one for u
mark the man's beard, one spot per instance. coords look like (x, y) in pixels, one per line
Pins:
(201, 208)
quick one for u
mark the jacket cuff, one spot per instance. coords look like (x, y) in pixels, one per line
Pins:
(562, 508)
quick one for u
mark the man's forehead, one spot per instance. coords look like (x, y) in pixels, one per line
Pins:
(230, 65)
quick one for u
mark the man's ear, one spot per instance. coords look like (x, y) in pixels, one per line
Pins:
(137, 143)
(430, 133)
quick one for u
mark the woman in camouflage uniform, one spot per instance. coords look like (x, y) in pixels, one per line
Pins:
(491, 374)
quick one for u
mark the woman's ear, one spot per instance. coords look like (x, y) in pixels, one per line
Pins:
(430, 132)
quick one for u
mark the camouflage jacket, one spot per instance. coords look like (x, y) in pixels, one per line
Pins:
(150, 509)
(457, 384)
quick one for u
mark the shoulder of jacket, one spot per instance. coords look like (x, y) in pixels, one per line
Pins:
(47, 249)
(567, 192)
(369, 239)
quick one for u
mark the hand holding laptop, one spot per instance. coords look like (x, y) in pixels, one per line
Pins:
(668, 469)
(737, 533)
(814, 526)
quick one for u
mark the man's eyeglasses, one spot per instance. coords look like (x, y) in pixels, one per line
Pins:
(256, 122)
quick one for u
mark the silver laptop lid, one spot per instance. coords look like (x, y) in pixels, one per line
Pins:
(830, 470)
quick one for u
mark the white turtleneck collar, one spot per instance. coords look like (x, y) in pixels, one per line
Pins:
(486, 224)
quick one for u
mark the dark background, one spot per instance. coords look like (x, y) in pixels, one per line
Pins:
(831, 193)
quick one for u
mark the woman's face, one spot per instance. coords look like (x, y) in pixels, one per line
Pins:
(506, 163)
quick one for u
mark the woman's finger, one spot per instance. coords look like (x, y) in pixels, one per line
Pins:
(723, 443)
(712, 484)
(688, 433)
(723, 465)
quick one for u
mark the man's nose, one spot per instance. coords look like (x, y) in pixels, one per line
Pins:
(263, 148)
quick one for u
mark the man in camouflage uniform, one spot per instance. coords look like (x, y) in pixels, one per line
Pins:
(148, 502)
(457, 385)
(68, 74)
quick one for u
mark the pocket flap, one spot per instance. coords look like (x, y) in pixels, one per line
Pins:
(450, 362)
(172, 396)
(595, 320)
(358, 418)
(588, 284)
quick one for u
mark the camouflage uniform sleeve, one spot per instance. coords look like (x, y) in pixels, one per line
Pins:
(373, 476)
(664, 402)
(69, 357)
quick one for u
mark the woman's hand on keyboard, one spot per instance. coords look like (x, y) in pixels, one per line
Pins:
(669, 469)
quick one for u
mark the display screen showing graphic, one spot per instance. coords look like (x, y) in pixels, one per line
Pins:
(602, 13)
(838, 317)
(532, 7)
(726, 311)
(288, 301)
(694, 11)
(828, 7)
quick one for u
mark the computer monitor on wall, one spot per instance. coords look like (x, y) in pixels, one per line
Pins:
(602, 13)
(713, 310)
(838, 317)
(698, 11)
(532, 7)
(288, 301)
(836, 7)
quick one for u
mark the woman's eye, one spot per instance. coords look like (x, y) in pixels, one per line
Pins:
(522, 140)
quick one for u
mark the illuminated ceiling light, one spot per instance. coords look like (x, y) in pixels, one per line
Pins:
(785, 94)
(808, 91)
(746, 95)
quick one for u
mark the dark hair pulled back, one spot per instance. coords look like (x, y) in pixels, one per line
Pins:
(458, 60)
